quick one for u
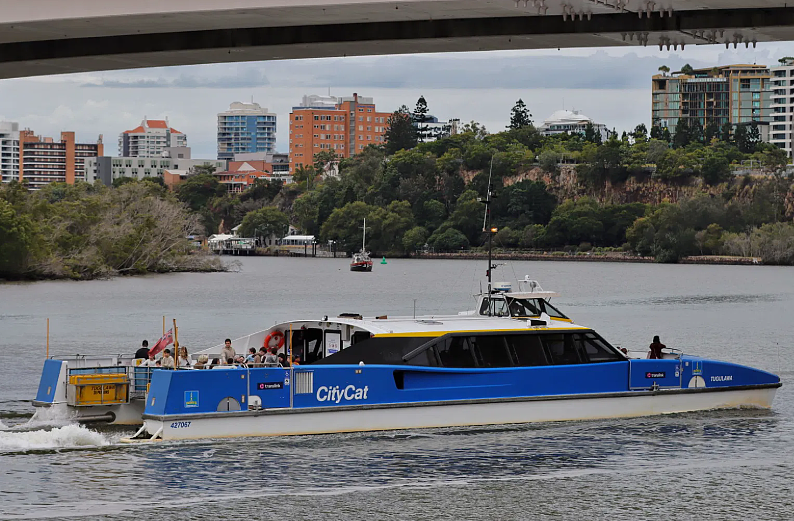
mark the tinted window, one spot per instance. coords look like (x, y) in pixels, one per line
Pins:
(491, 351)
(597, 350)
(561, 348)
(455, 352)
(550, 310)
(498, 307)
(521, 307)
(425, 358)
(526, 350)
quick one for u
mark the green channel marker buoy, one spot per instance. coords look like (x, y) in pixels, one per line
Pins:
(383, 261)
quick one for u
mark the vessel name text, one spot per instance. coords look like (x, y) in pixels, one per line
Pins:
(721, 378)
(336, 394)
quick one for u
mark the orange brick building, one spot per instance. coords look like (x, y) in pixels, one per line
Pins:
(342, 125)
(44, 160)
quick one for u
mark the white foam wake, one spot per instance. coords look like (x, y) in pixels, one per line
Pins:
(58, 438)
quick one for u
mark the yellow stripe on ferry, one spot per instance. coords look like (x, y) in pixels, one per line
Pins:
(442, 333)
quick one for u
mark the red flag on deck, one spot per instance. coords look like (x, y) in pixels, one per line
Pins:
(165, 340)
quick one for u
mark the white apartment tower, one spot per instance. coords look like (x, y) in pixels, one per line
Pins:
(150, 139)
(9, 151)
(782, 131)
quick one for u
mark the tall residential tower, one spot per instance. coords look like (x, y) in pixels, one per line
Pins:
(783, 106)
(245, 128)
(734, 94)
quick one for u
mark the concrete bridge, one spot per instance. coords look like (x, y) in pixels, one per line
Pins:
(39, 37)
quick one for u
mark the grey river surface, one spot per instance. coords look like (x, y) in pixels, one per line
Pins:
(714, 465)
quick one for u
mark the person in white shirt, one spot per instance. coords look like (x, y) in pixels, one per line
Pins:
(183, 360)
(167, 362)
(149, 362)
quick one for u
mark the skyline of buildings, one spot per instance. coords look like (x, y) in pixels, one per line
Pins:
(150, 138)
(245, 128)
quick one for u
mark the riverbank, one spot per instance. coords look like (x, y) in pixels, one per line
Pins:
(589, 257)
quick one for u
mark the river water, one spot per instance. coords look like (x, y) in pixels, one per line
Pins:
(713, 465)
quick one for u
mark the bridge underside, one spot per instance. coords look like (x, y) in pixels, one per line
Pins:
(33, 44)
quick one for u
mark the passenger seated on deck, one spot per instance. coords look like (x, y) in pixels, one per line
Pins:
(167, 361)
(201, 363)
(215, 363)
(296, 360)
(239, 361)
(150, 362)
(656, 348)
(260, 357)
(183, 360)
(250, 360)
(282, 360)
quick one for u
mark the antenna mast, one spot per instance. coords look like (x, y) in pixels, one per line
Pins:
(487, 228)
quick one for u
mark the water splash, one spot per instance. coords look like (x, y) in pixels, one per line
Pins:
(69, 436)
(49, 417)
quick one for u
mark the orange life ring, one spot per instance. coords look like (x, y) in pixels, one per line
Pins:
(276, 335)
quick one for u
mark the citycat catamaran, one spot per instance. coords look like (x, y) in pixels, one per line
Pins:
(515, 358)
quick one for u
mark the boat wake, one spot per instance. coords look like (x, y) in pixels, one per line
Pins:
(68, 436)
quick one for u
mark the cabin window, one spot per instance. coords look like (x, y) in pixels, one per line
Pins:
(425, 358)
(597, 350)
(562, 349)
(520, 307)
(455, 352)
(550, 310)
(498, 307)
(360, 336)
(491, 351)
(526, 350)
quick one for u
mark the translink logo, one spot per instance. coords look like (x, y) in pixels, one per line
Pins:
(336, 394)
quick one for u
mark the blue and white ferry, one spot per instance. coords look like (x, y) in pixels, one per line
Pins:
(515, 359)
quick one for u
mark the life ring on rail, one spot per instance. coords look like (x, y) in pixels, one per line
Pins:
(276, 335)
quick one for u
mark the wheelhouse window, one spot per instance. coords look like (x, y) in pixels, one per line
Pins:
(597, 350)
(533, 307)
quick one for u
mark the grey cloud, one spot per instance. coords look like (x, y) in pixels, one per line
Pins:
(246, 77)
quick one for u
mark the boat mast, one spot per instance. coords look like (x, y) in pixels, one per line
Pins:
(487, 229)
(364, 238)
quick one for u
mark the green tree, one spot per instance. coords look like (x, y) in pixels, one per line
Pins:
(741, 138)
(344, 225)
(305, 174)
(687, 69)
(18, 238)
(323, 158)
(264, 223)
(306, 211)
(448, 240)
(120, 181)
(415, 239)
(682, 136)
(420, 117)
(591, 134)
(715, 169)
(400, 133)
(640, 133)
(520, 116)
(664, 69)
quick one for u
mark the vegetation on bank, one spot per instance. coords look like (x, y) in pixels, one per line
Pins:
(644, 193)
(89, 231)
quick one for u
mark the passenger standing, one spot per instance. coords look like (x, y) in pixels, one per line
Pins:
(656, 348)
(271, 360)
(227, 352)
(143, 352)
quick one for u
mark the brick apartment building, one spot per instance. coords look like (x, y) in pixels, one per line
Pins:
(42, 160)
(343, 125)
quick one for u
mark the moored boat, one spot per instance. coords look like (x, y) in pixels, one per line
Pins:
(361, 260)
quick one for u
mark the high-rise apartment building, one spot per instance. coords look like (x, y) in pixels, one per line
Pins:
(149, 139)
(343, 125)
(42, 160)
(782, 132)
(9, 151)
(245, 128)
(732, 94)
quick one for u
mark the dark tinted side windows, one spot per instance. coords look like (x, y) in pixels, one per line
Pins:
(491, 351)
(526, 350)
(562, 348)
(455, 352)
(597, 350)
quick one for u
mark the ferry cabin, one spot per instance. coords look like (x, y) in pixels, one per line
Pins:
(395, 373)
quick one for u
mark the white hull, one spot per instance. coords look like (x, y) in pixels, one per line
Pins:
(307, 421)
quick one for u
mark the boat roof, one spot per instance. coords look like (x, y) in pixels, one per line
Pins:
(441, 325)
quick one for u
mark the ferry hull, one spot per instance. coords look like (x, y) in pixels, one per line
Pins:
(285, 422)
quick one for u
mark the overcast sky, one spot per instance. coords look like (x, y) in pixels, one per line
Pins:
(611, 85)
